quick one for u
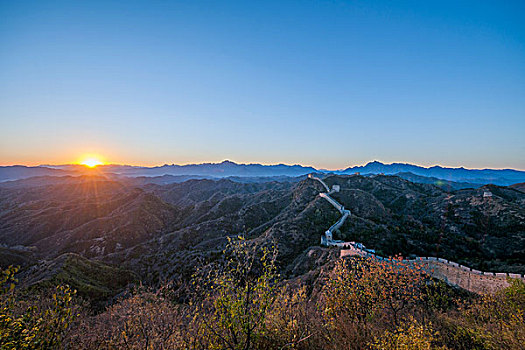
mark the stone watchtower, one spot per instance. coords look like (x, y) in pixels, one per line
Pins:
(326, 238)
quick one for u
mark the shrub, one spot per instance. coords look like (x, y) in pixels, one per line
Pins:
(30, 324)
(410, 335)
(235, 297)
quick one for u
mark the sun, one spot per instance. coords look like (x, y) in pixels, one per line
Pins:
(91, 162)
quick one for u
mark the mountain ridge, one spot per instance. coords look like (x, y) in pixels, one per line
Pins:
(502, 177)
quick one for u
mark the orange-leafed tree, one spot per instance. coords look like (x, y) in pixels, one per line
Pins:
(362, 293)
(402, 284)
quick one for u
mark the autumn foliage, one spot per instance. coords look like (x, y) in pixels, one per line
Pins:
(27, 323)
(240, 301)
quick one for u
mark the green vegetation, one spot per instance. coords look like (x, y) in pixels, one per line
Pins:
(33, 324)
(93, 280)
(236, 297)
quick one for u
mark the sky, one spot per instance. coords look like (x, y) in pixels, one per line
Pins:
(324, 83)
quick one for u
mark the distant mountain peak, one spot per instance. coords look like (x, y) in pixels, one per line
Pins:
(475, 176)
(228, 162)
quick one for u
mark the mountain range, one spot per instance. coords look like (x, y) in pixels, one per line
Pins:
(177, 173)
(79, 229)
(502, 177)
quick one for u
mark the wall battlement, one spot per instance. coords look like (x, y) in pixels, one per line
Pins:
(452, 273)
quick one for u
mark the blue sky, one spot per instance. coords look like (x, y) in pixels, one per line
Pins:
(323, 83)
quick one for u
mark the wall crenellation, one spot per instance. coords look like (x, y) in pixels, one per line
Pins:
(451, 272)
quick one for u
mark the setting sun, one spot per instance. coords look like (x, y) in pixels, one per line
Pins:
(91, 162)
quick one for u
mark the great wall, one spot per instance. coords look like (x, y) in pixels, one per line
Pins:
(448, 271)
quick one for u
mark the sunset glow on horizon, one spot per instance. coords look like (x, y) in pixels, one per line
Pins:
(91, 162)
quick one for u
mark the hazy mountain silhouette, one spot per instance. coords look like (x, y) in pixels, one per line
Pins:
(177, 173)
(16, 172)
(503, 177)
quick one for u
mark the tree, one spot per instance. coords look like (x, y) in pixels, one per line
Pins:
(363, 292)
(402, 284)
(236, 296)
(291, 321)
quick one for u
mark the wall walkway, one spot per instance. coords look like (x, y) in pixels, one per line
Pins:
(327, 238)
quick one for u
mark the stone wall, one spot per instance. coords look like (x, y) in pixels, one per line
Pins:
(466, 278)
(453, 273)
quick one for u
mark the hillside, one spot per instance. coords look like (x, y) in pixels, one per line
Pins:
(396, 216)
(519, 186)
(444, 184)
(91, 217)
(164, 231)
(93, 280)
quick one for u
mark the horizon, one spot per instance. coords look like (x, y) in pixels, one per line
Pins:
(264, 164)
(321, 83)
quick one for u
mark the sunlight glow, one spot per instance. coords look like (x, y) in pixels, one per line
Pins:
(91, 162)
